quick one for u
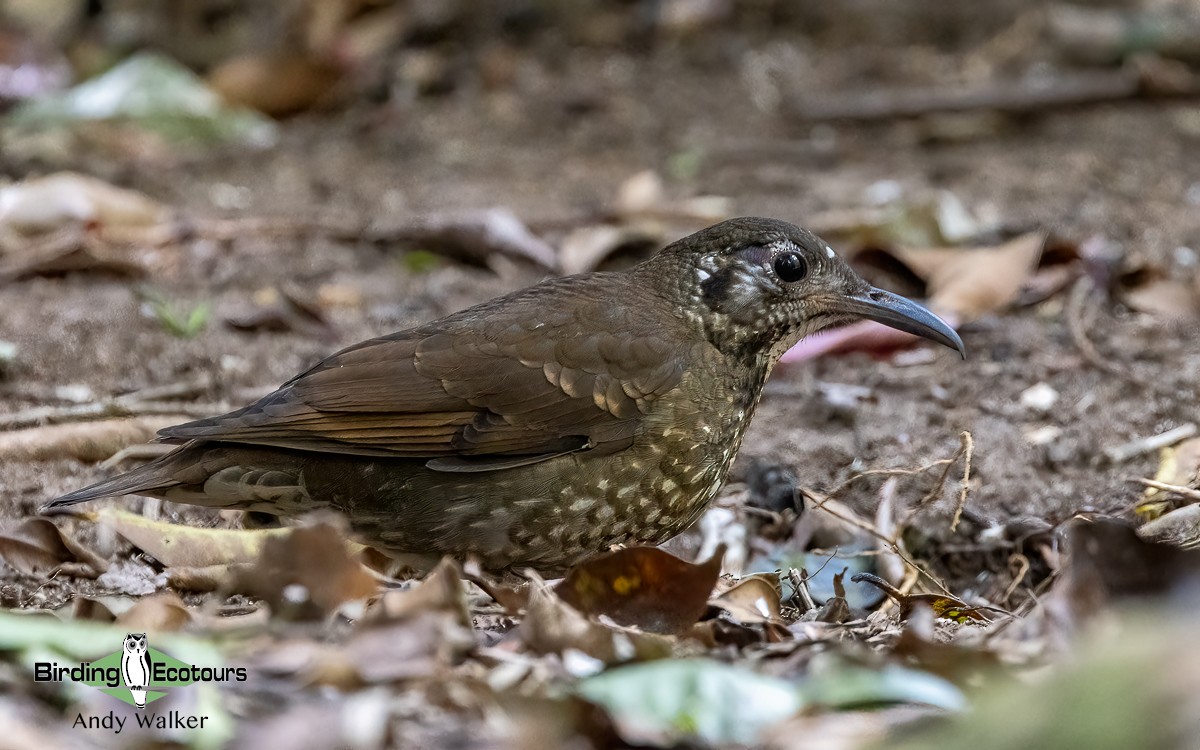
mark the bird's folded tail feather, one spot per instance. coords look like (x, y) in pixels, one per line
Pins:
(148, 479)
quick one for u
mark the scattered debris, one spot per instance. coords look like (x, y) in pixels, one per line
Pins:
(1122, 453)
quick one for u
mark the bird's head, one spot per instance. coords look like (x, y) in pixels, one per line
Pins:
(757, 286)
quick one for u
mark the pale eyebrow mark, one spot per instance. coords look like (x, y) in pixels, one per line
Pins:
(829, 251)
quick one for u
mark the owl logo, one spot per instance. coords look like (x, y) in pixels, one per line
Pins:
(135, 666)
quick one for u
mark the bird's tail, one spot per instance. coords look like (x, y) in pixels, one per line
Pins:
(144, 480)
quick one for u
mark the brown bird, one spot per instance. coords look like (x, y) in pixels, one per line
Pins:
(544, 425)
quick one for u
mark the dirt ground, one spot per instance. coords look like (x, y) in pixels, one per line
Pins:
(1122, 172)
(1127, 172)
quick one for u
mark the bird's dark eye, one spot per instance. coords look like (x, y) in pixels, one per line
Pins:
(790, 267)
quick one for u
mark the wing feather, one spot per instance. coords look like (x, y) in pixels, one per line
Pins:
(494, 383)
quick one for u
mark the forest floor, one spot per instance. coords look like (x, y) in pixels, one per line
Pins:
(1121, 176)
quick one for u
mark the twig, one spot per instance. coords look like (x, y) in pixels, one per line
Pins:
(1022, 571)
(934, 493)
(188, 389)
(1013, 97)
(751, 510)
(1177, 489)
(892, 545)
(44, 415)
(832, 554)
(1075, 323)
(799, 580)
(886, 473)
(968, 450)
(1126, 451)
(469, 236)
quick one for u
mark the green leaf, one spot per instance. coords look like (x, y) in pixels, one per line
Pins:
(184, 324)
(684, 166)
(696, 698)
(420, 261)
(154, 93)
(847, 686)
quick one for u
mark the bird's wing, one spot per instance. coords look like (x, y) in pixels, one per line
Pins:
(486, 388)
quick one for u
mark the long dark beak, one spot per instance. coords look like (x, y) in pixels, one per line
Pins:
(900, 313)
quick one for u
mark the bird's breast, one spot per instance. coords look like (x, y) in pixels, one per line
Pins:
(690, 441)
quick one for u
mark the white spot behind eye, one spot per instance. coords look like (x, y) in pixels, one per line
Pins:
(702, 274)
(829, 251)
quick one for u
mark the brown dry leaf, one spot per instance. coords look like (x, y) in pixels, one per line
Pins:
(421, 646)
(366, 720)
(175, 545)
(37, 547)
(307, 573)
(1150, 290)
(276, 85)
(470, 237)
(724, 632)
(834, 730)
(753, 599)
(44, 204)
(64, 251)
(508, 594)
(98, 609)
(417, 633)
(281, 310)
(551, 626)
(1106, 561)
(84, 441)
(970, 282)
(642, 587)
(433, 617)
(441, 590)
(588, 248)
(643, 196)
(1180, 528)
(365, 39)
(836, 609)
(157, 613)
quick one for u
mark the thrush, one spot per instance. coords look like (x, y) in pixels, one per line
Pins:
(542, 426)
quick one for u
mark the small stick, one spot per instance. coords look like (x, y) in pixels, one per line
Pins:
(968, 450)
(892, 545)
(1177, 489)
(1075, 322)
(799, 579)
(1013, 97)
(44, 415)
(887, 473)
(1022, 571)
(1139, 446)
